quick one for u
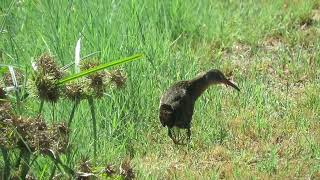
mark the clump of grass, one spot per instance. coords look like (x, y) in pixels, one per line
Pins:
(305, 21)
(309, 37)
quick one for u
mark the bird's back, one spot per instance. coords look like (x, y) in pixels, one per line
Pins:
(176, 106)
(174, 93)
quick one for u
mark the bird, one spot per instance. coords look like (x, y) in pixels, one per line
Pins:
(178, 101)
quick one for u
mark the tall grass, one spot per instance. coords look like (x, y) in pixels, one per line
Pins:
(257, 133)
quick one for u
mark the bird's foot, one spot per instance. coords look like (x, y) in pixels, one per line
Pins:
(180, 139)
(178, 143)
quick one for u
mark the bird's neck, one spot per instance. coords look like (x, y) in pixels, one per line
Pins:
(198, 85)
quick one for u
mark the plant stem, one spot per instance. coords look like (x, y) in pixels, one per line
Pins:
(74, 108)
(58, 161)
(53, 112)
(18, 101)
(94, 124)
(18, 161)
(41, 106)
(53, 171)
(6, 173)
(75, 105)
(25, 163)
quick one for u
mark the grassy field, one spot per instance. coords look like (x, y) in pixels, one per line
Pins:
(271, 49)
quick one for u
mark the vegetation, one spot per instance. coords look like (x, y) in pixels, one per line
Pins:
(271, 49)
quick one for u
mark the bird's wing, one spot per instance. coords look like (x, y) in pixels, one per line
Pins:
(170, 106)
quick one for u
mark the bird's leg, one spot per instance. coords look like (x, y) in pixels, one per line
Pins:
(189, 134)
(179, 135)
(186, 138)
(176, 136)
(171, 136)
(170, 133)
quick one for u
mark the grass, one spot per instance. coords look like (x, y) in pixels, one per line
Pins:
(269, 48)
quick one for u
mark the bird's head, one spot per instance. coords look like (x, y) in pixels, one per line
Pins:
(215, 76)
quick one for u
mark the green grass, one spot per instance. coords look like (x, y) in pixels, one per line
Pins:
(271, 129)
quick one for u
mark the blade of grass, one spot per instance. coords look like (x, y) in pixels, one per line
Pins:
(53, 112)
(3, 69)
(41, 106)
(25, 163)
(98, 68)
(53, 171)
(57, 161)
(77, 56)
(72, 63)
(16, 87)
(6, 173)
(75, 105)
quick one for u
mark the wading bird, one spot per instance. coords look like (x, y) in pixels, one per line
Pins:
(177, 102)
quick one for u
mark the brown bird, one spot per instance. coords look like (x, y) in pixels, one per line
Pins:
(177, 103)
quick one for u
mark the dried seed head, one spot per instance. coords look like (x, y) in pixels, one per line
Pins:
(75, 90)
(63, 129)
(6, 116)
(109, 170)
(2, 90)
(2, 95)
(126, 170)
(33, 134)
(59, 135)
(47, 75)
(97, 85)
(7, 78)
(118, 77)
(47, 88)
(30, 177)
(85, 165)
(47, 65)
(85, 65)
(5, 110)
(85, 176)
(94, 85)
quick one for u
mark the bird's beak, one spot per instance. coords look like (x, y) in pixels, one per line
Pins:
(229, 83)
